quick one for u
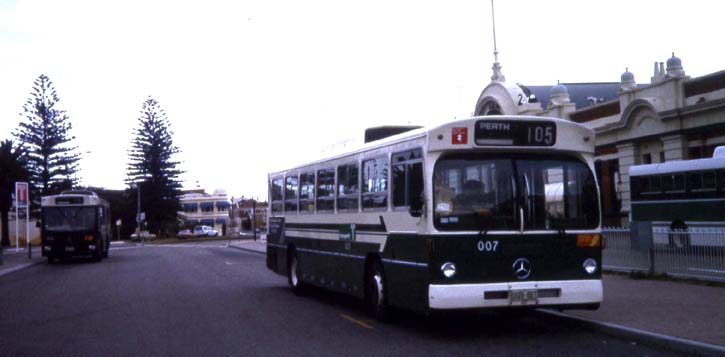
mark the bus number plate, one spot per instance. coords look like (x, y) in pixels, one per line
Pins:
(523, 297)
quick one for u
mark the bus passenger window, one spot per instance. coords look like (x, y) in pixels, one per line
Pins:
(708, 181)
(290, 194)
(307, 192)
(375, 183)
(407, 177)
(347, 187)
(325, 190)
(276, 192)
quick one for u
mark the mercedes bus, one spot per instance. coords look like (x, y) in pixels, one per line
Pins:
(486, 212)
(75, 223)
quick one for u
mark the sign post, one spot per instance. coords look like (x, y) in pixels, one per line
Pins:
(118, 229)
(21, 201)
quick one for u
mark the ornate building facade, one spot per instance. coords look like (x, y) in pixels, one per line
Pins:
(673, 117)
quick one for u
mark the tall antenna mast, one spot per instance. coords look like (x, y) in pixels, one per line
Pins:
(493, 22)
(497, 75)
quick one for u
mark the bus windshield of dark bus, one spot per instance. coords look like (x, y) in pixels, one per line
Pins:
(66, 219)
(477, 192)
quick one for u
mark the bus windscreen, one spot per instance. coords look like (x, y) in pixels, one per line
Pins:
(474, 192)
(66, 219)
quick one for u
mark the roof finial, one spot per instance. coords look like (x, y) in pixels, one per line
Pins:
(497, 75)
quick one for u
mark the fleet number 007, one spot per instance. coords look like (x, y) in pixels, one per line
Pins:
(487, 246)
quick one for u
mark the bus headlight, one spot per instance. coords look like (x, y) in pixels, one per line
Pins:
(590, 266)
(448, 269)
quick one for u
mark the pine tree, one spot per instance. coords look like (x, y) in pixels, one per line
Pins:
(12, 169)
(52, 161)
(151, 166)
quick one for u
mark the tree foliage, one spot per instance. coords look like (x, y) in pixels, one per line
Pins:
(12, 169)
(152, 166)
(52, 161)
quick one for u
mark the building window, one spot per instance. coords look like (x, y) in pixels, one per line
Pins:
(375, 183)
(647, 159)
(662, 156)
(347, 187)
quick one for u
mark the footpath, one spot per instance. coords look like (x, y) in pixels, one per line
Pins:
(684, 316)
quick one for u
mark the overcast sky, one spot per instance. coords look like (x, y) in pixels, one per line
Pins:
(254, 86)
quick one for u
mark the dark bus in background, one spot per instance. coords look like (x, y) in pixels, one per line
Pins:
(75, 223)
(680, 194)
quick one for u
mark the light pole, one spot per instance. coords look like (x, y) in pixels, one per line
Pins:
(138, 210)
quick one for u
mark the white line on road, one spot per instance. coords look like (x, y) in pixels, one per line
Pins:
(708, 270)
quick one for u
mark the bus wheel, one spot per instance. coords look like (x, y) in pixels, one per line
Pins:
(375, 297)
(51, 259)
(293, 274)
(679, 237)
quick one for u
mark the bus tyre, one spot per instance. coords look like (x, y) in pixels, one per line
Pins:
(294, 273)
(375, 295)
(51, 259)
(679, 237)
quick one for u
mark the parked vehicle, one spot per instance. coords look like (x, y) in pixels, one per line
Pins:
(145, 235)
(185, 233)
(205, 231)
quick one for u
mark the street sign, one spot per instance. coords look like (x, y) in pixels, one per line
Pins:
(118, 222)
(21, 194)
(140, 217)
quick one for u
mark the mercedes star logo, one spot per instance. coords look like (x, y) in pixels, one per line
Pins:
(522, 268)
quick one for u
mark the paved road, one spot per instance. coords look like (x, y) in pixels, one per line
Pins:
(191, 300)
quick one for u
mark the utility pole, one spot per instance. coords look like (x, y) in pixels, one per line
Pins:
(138, 209)
(254, 219)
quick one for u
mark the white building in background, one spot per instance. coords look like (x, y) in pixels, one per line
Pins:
(673, 117)
(201, 208)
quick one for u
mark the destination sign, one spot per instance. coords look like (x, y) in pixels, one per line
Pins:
(72, 200)
(514, 133)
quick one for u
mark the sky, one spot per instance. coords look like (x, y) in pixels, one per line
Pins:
(251, 87)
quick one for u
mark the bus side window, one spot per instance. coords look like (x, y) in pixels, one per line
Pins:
(325, 190)
(709, 181)
(347, 187)
(415, 186)
(307, 192)
(375, 183)
(290, 194)
(694, 181)
(276, 192)
(406, 177)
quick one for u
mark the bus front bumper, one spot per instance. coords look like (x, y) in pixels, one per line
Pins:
(516, 294)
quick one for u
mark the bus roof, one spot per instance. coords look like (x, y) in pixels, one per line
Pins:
(706, 164)
(586, 145)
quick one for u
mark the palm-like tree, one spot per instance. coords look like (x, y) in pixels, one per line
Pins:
(12, 169)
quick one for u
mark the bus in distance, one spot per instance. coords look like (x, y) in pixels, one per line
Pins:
(486, 212)
(75, 223)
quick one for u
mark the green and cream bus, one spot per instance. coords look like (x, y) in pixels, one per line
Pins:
(487, 212)
(75, 223)
(681, 195)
